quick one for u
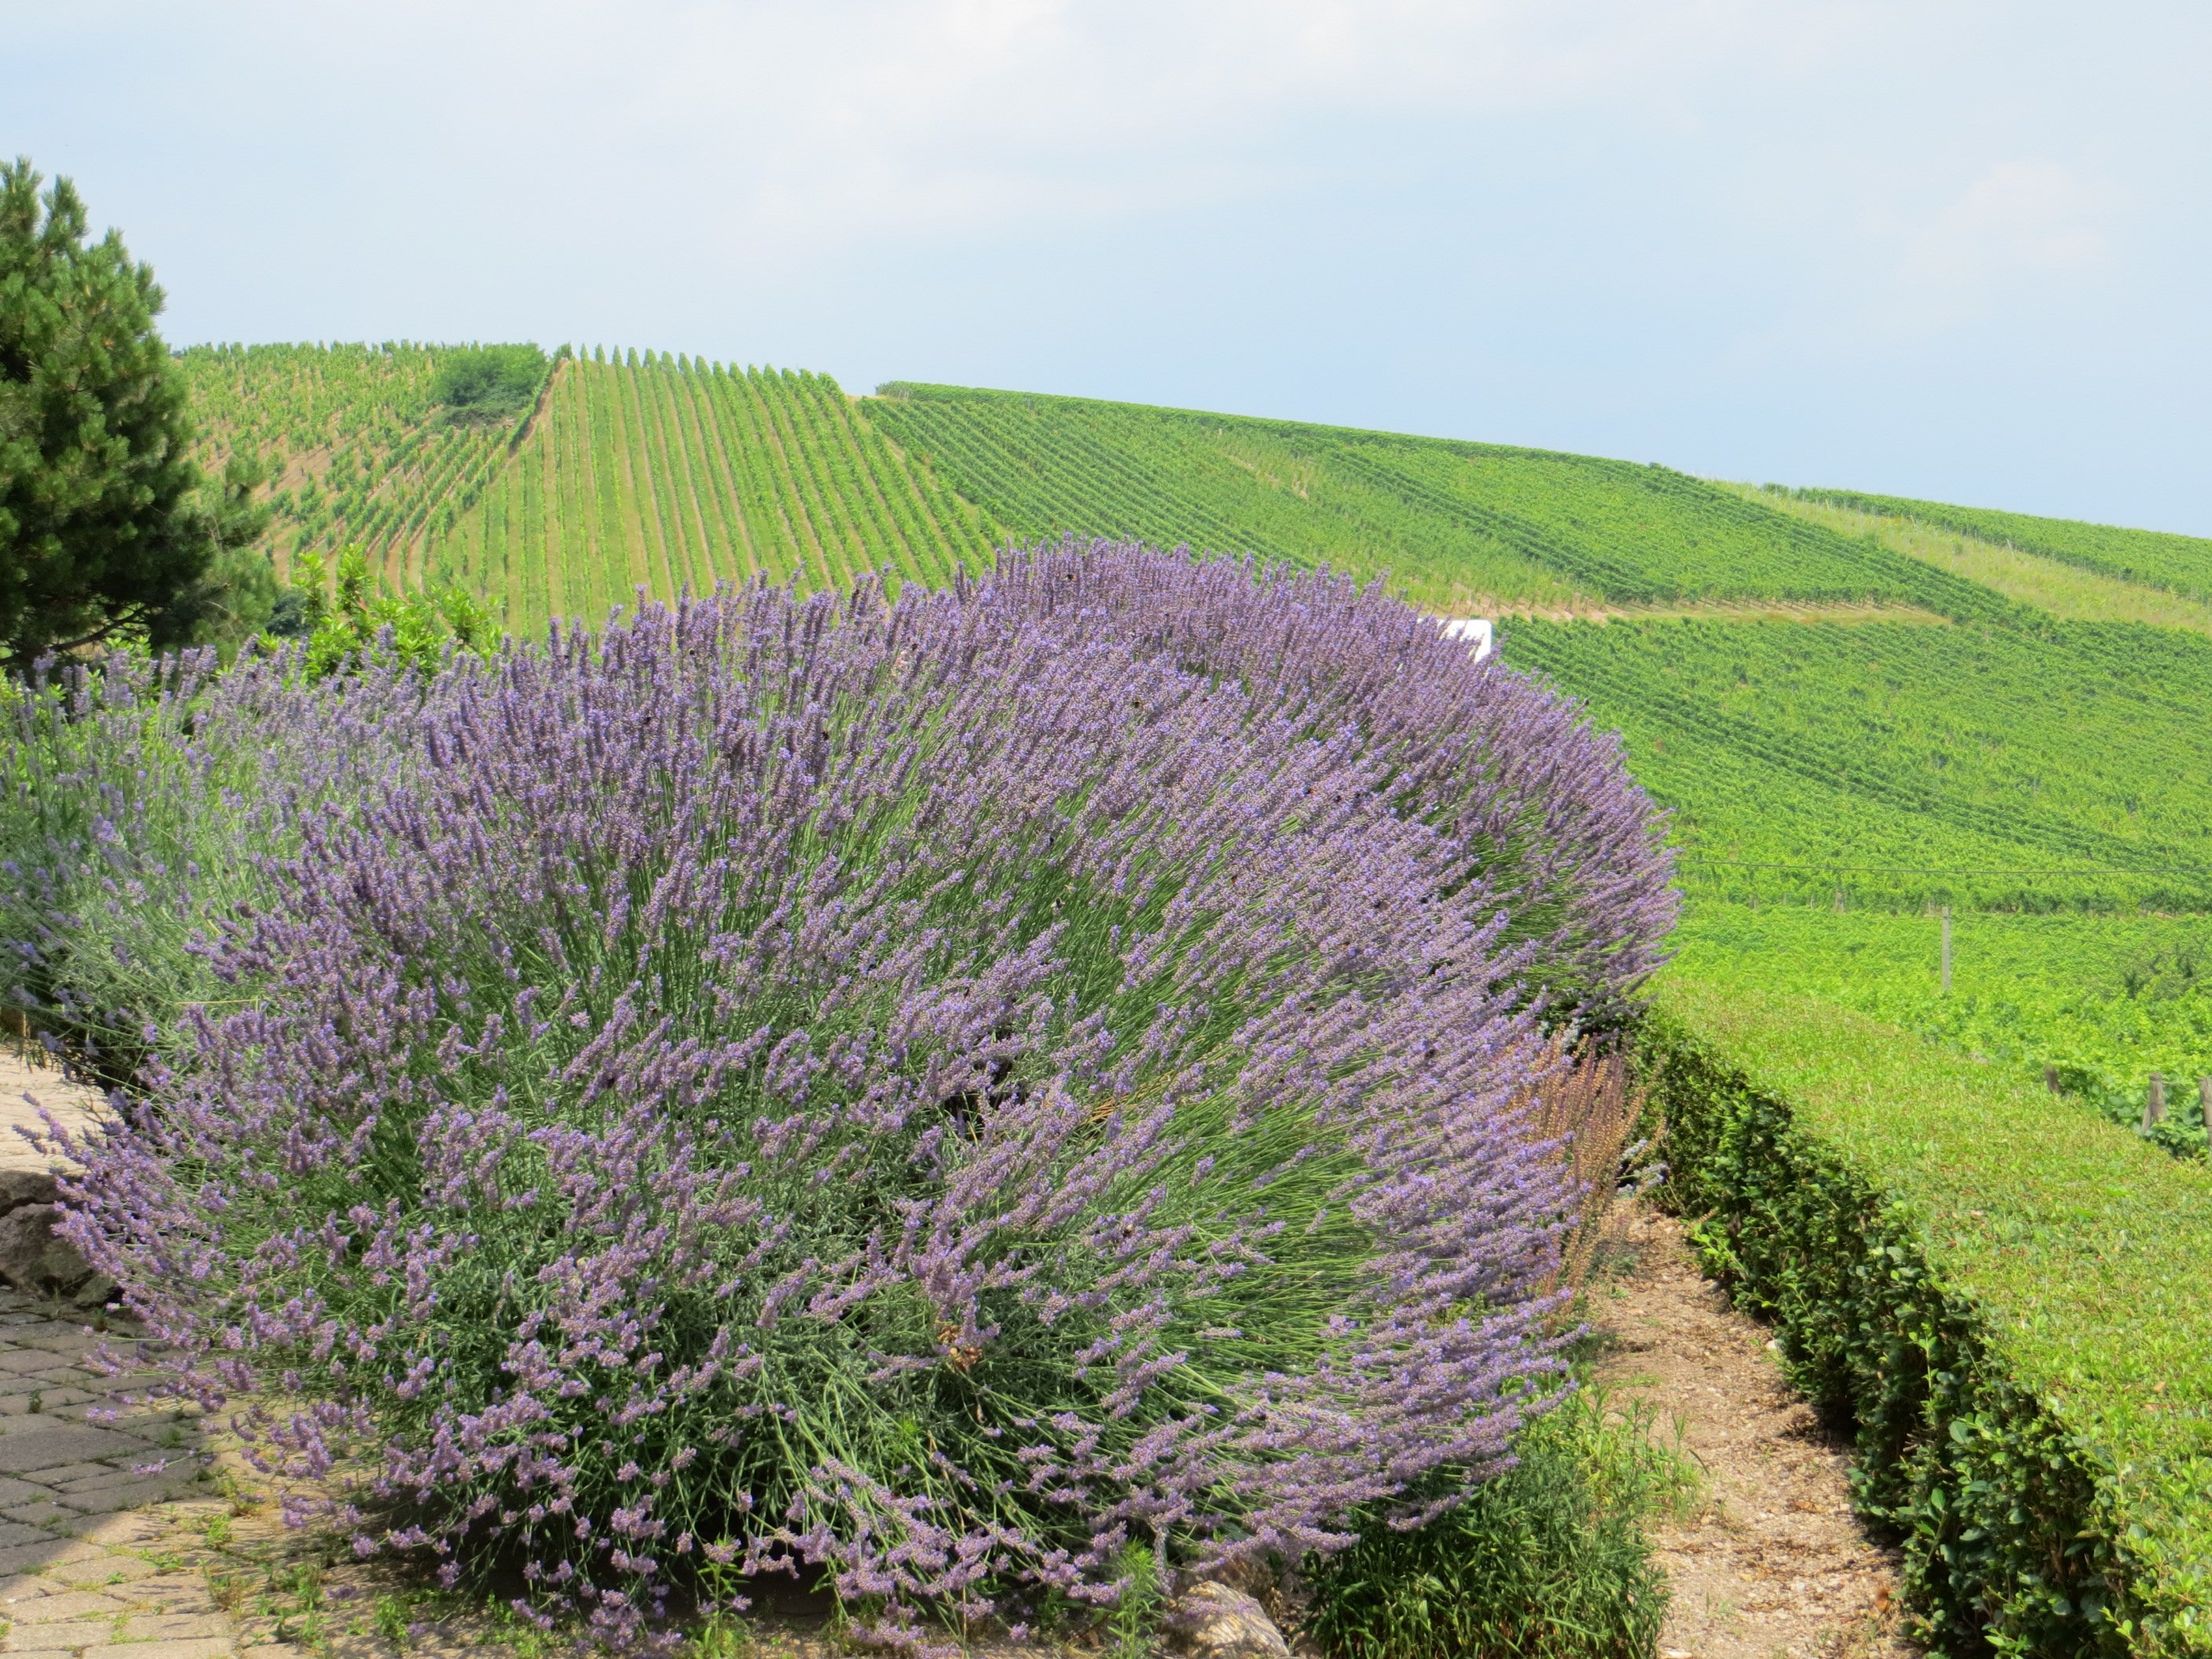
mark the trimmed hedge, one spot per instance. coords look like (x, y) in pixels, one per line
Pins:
(2006, 1301)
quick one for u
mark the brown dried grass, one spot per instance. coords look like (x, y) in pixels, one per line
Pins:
(1587, 1106)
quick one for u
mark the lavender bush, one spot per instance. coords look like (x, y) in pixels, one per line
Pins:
(1556, 834)
(922, 1090)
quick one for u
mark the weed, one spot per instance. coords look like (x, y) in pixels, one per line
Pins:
(1547, 1560)
(1136, 1614)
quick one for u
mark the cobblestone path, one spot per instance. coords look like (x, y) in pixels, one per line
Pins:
(104, 1526)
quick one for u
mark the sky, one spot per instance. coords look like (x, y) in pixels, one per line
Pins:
(1944, 248)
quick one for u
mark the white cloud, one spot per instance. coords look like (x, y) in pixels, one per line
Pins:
(2019, 220)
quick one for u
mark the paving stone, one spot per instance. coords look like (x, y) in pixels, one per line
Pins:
(37, 1514)
(20, 1491)
(167, 1626)
(124, 1527)
(174, 1591)
(205, 1647)
(98, 1566)
(25, 1359)
(65, 1605)
(81, 1634)
(39, 1557)
(62, 1473)
(126, 1476)
(44, 1653)
(135, 1496)
(44, 1442)
(15, 1532)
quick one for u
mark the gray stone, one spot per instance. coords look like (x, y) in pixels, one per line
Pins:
(32, 1259)
(1212, 1621)
(40, 1442)
(68, 1605)
(22, 1187)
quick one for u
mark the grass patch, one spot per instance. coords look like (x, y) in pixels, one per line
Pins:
(1548, 1560)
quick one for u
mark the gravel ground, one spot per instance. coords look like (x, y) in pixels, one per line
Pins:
(1771, 1561)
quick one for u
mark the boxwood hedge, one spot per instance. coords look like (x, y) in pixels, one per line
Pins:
(2005, 1301)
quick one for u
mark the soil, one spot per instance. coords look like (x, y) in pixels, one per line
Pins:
(1768, 1559)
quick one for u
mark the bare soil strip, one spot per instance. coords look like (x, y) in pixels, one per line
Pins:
(1772, 1562)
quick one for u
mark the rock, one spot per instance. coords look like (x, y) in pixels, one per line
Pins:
(1212, 1621)
(22, 1187)
(32, 1259)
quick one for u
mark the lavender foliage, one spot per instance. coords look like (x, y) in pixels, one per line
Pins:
(921, 1090)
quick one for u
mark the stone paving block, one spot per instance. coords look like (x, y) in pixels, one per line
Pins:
(43, 1443)
(44, 1653)
(62, 1473)
(36, 1514)
(70, 1390)
(124, 1528)
(205, 1647)
(81, 1634)
(66, 1605)
(15, 1532)
(173, 1591)
(126, 1476)
(135, 1496)
(99, 1567)
(20, 1360)
(39, 1558)
(167, 1626)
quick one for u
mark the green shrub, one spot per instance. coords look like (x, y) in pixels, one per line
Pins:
(1546, 1561)
(343, 625)
(488, 382)
(2001, 1298)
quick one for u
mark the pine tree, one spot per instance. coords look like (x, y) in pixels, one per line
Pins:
(104, 533)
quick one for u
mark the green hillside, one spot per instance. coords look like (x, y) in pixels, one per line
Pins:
(2181, 564)
(363, 459)
(1458, 526)
(672, 474)
(2061, 767)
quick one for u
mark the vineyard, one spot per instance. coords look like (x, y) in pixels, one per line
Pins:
(673, 474)
(362, 461)
(1457, 526)
(2102, 1000)
(668, 471)
(2181, 564)
(1900, 766)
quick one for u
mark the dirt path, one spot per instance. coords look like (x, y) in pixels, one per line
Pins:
(1773, 1562)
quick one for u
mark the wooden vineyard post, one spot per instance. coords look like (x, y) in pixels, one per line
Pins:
(2154, 1108)
(2204, 1106)
(2051, 1078)
(1946, 950)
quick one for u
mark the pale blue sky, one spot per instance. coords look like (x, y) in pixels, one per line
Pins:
(1938, 248)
